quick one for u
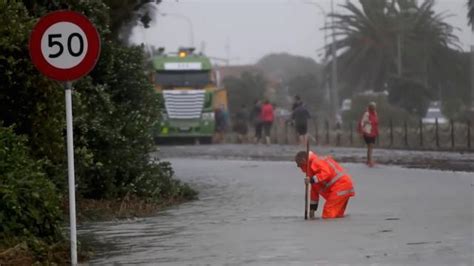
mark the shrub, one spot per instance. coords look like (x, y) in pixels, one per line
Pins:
(115, 109)
(29, 100)
(157, 184)
(29, 205)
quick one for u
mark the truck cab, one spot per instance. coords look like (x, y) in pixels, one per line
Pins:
(188, 87)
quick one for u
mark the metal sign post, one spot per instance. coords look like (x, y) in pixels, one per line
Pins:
(71, 176)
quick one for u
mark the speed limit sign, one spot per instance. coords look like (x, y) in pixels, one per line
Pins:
(64, 45)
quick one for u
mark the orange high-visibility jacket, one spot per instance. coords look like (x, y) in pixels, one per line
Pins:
(332, 180)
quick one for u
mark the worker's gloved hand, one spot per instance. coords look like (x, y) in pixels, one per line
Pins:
(313, 207)
(312, 180)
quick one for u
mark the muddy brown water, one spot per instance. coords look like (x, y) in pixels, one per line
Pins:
(251, 213)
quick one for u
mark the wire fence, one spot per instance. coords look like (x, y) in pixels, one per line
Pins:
(416, 135)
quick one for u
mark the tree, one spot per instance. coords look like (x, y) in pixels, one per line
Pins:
(286, 66)
(308, 88)
(115, 108)
(126, 14)
(284, 69)
(372, 37)
(366, 40)
(29, 209)
(369, 40)
(122, 15)
(28, 100)
(245, 89)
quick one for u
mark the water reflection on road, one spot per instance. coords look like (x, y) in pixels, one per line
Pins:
(251, 212)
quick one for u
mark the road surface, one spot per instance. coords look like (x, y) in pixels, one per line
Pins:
(251, 213)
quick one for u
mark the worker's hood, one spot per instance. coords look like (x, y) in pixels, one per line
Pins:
(312, 157)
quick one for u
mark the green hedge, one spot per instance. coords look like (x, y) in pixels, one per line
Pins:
(115, 107)
(29, 203)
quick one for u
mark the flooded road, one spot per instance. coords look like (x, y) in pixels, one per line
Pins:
(251, 213)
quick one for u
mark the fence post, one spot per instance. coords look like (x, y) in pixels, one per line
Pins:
(436, 132)
(469, 134)
(316, 129)
(338, 130)
(452, 133)
(351, 136)
(391, 132)
(405, 129)
(274, 132)
(327, 131)
(421, 132)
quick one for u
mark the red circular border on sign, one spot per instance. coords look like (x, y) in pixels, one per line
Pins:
(93, 48)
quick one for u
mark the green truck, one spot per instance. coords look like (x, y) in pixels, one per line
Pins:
(190, 91)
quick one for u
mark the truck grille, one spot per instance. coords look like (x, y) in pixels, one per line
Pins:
(184, 104)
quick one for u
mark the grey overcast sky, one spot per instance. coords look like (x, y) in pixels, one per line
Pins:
(246, 30)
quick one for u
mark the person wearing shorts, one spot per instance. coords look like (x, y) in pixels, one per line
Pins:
(369, 129)
(369, 140)
(240, 124)
(300, 117)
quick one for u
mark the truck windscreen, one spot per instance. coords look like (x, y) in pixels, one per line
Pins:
(182, 78)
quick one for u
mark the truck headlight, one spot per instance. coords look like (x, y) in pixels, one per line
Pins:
(207, 116)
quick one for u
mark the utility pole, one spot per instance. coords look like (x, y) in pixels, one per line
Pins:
(399, 54)
(472, 76)
(334, 81)
(472, 70)
(227, 50)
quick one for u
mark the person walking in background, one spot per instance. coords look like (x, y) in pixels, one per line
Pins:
(300, 116)
(369, 129)
(255, 119)
(226, 119)
(267, 117)
(220, 124)
(296, 103)
(240, 124)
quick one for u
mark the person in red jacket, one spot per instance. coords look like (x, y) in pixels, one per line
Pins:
(328, 179)
(369, 129)
(267, 116)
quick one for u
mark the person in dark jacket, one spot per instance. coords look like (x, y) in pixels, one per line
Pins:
(220, 125)
(240, 125)
(300, 117)
(256, 120)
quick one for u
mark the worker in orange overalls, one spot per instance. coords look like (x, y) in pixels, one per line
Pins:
(328, 179)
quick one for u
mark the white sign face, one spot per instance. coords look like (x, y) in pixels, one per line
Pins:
(64, 45)
(183, 66)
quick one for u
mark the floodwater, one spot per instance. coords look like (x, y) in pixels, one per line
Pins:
(251, 213)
